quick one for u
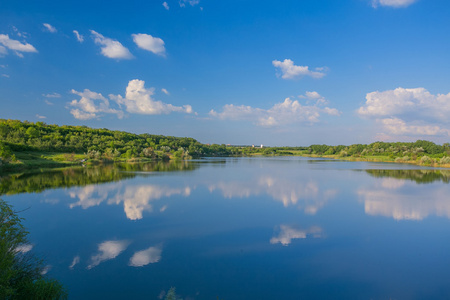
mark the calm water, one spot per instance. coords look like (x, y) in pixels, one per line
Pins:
(250, 228)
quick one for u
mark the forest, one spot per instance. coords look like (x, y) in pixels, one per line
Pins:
(27, 145)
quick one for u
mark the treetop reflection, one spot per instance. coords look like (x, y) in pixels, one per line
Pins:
(80, 176)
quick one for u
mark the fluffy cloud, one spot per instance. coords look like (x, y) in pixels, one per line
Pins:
(149, 43)
(392, 3)
(79, 37)
(283, 113)
(166, 6)
(409, 111)
(49, 28)
(108, 250)
(111, 48)
(290, 71)
(145, 257)
(14, 45)
(139, 100)
(91, 105)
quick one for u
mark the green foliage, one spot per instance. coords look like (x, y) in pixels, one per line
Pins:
(394, 151)
(419, 176)
(171, 294)
(20, 274)
(17, 136)
(425, 160)
(445, 160)
(33, 182)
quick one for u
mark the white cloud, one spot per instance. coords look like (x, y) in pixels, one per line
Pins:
(283, 113)
(166, 6)
(139, 100)
(287, 234)
(190, 2)
(14, 45)
(111, 48)
(5, 75)
(79, 37)
(399, 127)
(49, 28)
(149, 43)
(392, 3)
(91, 105)
(145, 257)
(291, 71)
(48, 102)
(53, 95)
(40, 117)
(409, 111)
(165, 91)
(106, 251)
(3, 51)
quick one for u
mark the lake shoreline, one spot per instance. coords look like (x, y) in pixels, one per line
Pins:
(48, 162)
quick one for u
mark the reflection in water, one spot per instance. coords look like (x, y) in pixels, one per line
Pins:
(136, 199)
(419, 176)
(46, 269)
(108, 250)
(80, 176)
(24, 248)
(404, 200)
(75, 261)
(145, 257)
(307, 196)
(287, 234)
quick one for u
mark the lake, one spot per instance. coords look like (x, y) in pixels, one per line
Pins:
(241, 228)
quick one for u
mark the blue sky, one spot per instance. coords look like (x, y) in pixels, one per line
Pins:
(236, 72)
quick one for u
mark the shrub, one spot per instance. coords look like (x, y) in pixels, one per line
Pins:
(445, 160)
(426, 160)
(20, 273)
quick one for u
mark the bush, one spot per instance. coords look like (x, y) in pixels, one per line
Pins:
(20, 273)
(445, 160)
(426, 160)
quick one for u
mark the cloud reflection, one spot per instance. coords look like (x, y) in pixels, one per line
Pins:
(287, 234)
(75, 261)
(24, 248)
(108, 250)
(145, 257)
(135, 199)
(405, 200)
(307, 196)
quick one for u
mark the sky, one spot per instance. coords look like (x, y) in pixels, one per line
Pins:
(277, 73)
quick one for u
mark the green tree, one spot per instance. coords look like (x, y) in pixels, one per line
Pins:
(21, 274)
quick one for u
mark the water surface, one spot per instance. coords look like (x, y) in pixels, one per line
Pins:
(241, 228)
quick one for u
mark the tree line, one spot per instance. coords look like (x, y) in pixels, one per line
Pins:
(18, 136)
